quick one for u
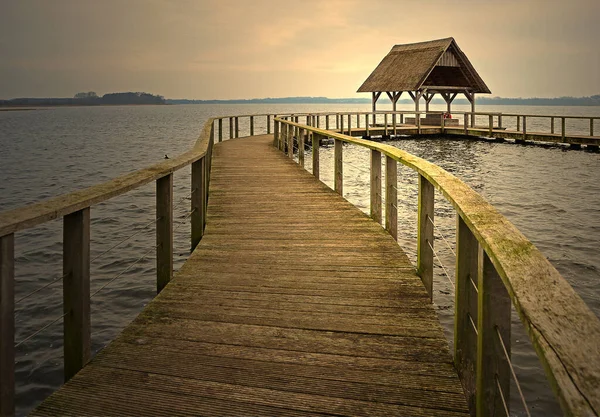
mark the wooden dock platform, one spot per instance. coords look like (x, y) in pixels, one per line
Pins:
(477, 132)
(294, 303)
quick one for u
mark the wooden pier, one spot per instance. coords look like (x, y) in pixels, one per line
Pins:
(277, 313)
(294, 302)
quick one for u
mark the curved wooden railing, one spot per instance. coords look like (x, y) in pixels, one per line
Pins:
(74, 208)
(496, 265)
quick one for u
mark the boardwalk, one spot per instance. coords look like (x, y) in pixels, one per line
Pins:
(294, 303)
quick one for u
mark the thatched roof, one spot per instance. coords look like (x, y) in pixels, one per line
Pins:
(438, 66)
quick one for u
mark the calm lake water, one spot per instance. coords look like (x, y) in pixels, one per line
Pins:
(552, 195)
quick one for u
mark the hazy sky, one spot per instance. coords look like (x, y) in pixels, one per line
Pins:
(261, 48)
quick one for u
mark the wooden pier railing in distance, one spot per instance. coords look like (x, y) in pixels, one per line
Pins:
(478, 124)
(75, 210)
(496, 266)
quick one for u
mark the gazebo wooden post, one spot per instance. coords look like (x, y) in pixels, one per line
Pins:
(428, 98)
(375, 98)
(449, 97)
(471, 98)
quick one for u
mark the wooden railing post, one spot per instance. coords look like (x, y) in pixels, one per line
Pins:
(394, 125)
(349, 124)
(276, 135)
(443, 124)
(164, 231)
(518, 123)
(341, 126)
(301, 147)
(500, 121)
(391, 197)
(76, 291)
(358, 120)
(524, 127)
(316, 140)
(562, 128)
(220, 130)
(401, 118)
(338, 173)
(385, 124)
(251, 125)
(465, 123)
(552, 125)
(591, 126)
(290, 140)
(198, 200)
(367, 124)
(465, 309)
(231, 128)
(493, 322)
(425, 234)
(7, 325)
(318, 120)
(237, 127)
(376, 185)
(490, 124)
(268, 124)
(418, 117)
(327, 122)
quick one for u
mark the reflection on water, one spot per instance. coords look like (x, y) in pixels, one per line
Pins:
(549, 194)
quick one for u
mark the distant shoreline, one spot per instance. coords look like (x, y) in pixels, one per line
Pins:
(38, 103)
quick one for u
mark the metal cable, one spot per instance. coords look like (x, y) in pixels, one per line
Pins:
(512, 370)
(502, 396)
(183, 222)
(442, 235)
(360, 169)
(473, 324)
(441, 264)
(125, 240)
(40, 330)
(40, 289)
(474, 285)
(125, 270)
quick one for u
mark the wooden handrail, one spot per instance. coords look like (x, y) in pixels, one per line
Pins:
(564, 331)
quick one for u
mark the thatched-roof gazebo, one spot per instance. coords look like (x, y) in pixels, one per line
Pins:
(424, 69)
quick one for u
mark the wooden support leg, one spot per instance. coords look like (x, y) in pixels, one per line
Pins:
(425, 234)
(493, 323)
(316, 140)
(76, 291)
(338, 168)
(465, 307)
(376, 185)
(198, 201)
(164, 231)
(7, 325)
(391, 197)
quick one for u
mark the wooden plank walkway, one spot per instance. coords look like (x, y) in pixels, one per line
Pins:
(294, 303)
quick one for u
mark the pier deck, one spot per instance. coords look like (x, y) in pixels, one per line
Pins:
(407, 129)
(294, 303)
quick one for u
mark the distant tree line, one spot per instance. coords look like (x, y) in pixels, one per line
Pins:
(88, 99)
(559, 101)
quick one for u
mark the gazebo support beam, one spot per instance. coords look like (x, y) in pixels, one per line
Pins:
(376, 95)
(471, 98)
(449, 97)
(428, 97)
